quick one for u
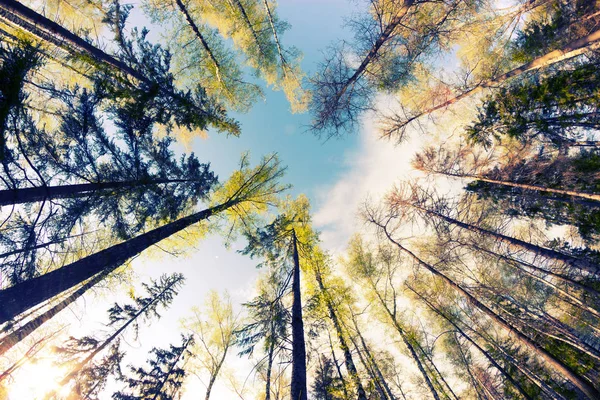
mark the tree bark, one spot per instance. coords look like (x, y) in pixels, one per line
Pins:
(573, 49)
(112, 337)
(214, 374)
(171, 368)
(270, 363)
(298, 384)
(34, 194)
(18, 335)
(18, 298)
(538, 250)
(581, 383)
(350, 366)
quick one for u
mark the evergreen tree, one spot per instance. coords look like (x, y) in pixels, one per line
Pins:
(164, 377)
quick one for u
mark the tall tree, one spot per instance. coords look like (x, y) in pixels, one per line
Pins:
(382, 222)
(160, 294)
(248, 190)
(165, 377)
(214, 331)
(389, 42)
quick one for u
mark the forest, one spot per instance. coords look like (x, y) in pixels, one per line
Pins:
(299, 199)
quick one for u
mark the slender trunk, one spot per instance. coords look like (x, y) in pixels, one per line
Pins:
(521, 265)
(437, 371)
(463, 358)
(276, 36)
(214, 374)
(52, 32)
(112, 337)
(586, 387)
(298, 384)
(374, 50)
(158, 394)
(270, 363)
(15, 337)
(372, 360)
(408, 345)
(486, 354)
(589, 196)
(242, 10)
(30, 195)
(337, 367)
(538, 250)
(370, 370)
(20, 297)
(200, 37)
(573, 49)
(350, 366)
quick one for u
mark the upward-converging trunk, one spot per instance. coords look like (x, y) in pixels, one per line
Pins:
(27, 329)
(350, 366)
(30, 195)
(487, 355)
(214, 373)
(581, 383)
(537, 250)
(571, 50)
(115, 335)
(19, 298)
(298, 384)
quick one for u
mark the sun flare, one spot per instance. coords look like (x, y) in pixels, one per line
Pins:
(35, 380)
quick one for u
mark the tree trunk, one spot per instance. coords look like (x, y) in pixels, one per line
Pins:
(538, 250)
(586, 387)
(573, 49)
(16, 336)
(200, 37)
(171, 368)
(112, 337)
(350, 366)
(573, 193)
(370, 357)
(373, 51)
(298, 384)
(214, 374)
(270, 363)
(408, 345)
(18, 298)
(521, 264)
(370, 370)
(52, 32)
(30, 195)
(337, 367)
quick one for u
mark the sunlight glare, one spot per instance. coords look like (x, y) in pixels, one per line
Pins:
(35, 380)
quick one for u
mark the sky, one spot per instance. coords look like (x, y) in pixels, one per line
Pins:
(336, 175)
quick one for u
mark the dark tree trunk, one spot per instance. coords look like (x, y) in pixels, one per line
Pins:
(298, 384)
(487, 355)
(538, 250)
(21, 333)
(580, 382)
(350, 366)
(19, 298)
(30, 195)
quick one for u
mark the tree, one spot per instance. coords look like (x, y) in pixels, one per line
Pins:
(165, 377)
(201, 55)
(268, 321)
(558, 108)
(154, 76)
(289, 239)
(248, 190)
(382, 222)
(214, 334)
(389, 43)
(160, 294)
(397, 124)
